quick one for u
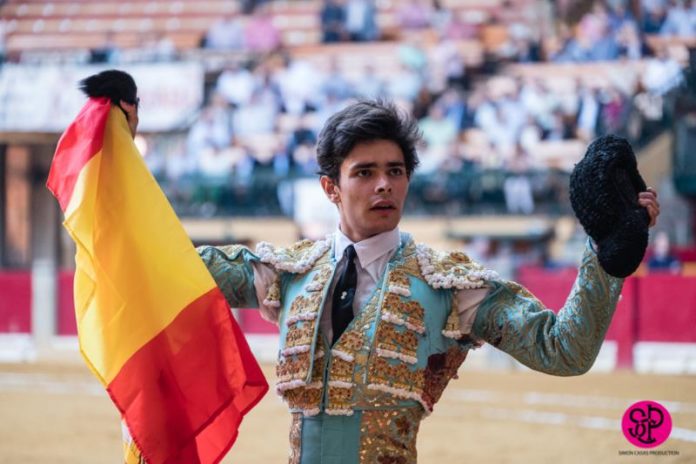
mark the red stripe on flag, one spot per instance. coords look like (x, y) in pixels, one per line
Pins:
(184, 393)
(79, 143)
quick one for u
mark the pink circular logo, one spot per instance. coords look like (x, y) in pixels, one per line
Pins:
(646, 424)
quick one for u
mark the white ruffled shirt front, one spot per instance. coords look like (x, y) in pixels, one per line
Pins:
(373, 255)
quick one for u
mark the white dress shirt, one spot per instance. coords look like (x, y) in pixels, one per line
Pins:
(373, 255)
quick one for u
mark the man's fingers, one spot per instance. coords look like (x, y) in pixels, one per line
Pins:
(132, 114)
(653, 208)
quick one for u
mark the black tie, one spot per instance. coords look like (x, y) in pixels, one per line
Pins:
(342, 312)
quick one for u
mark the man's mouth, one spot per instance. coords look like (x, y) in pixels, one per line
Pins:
(383, 206)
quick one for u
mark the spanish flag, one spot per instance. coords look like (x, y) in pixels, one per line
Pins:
(152, 324)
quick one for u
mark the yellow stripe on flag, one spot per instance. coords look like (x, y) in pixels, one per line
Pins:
(125, 251)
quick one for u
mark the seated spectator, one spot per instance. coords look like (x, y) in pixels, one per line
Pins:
(369, 84)
(4, 27)
(212, 129)
(663, 260)
(336, 83)
(560, 128)
(653, 19)
(517, 186)
(588, 114)
(292, 80)
(405, 84)
(225, 34)
(361, 20)
(446, 66)
(530, 135)
(302, 137)
(502, 132)
(662, 74)
(605, 47)
(255, 117)
(179, 165)
(437, 129)
(628, 40)
(158, 47)
(680, 20)
(414, 14)
(260, 34)
(411, 54)
(456, 108)
(215, 164)
(440, 17)
(620, 16)
(613, 115)
(422, 103)
(236, 84)
(333, 20)
(267, 89)
(107, 53)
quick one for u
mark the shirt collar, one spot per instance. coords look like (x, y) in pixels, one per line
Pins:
(368, 250)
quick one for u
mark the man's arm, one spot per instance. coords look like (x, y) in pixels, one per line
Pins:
(232, 267)
(514, 321)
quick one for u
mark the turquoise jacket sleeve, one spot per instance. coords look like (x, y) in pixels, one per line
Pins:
(231, 268)
(514, 321)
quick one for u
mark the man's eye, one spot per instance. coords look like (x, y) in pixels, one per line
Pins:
(364, 173)
(396, 171)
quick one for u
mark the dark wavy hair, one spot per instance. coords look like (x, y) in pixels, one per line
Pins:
(366, 121)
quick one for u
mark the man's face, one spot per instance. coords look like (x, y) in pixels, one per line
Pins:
(371, 189)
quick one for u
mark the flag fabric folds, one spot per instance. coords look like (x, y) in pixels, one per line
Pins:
(152, 324)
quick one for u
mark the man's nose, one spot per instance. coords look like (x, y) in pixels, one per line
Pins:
(383, 184)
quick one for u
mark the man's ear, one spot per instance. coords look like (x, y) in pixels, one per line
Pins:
(330, 189)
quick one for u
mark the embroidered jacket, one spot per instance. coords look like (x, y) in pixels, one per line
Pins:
(391, 365)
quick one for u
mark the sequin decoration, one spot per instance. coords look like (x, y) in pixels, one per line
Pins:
(389, 436)
(442, 367)
(295, 438)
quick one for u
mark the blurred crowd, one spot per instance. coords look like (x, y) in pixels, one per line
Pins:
(263, 116)
(486, 128)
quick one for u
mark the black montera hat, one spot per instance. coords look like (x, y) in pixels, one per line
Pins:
(114, 84)
(604, 188)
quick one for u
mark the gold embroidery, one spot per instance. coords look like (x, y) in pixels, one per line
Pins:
(304, 398)
(389, 436)
(409, 313)
(305, 304)
(293, 367)
(341, 370)
(395, 374)
(340, 397)
(319, 279)
(404, 342)
(300, 335)
(351, 340)
(399, 278)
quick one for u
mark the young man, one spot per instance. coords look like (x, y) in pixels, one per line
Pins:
(373, 326)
